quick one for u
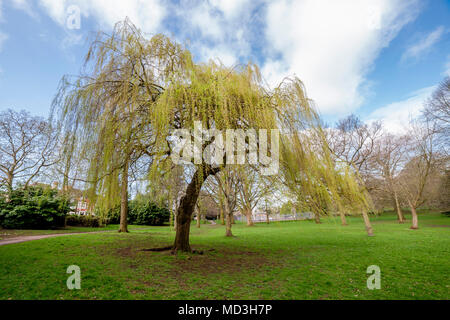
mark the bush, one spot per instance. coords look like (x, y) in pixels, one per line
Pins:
(35, 207)
(147, 213)
(83, 221)
(140, 212)
(113, 215)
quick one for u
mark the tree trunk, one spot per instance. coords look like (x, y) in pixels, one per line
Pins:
(186, 208)
(232, 219)
(343, 219)
(367, 223)
(267, 218)
(228, 219)
(398, 209)
(222, 218)
(317, 218)
(9, 186)
(198, 220)
(124, 200)
(415, 220)
(174, 220)
(248, 214)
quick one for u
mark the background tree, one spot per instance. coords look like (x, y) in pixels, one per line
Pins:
(353, 142)
(390, 158)
(27, 145)
(422, 162)
(437, 110)
(252, 187)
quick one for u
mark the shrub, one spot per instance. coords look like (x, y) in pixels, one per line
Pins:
(83, 221)
(113, 215)
(143, 212)
(35, 207)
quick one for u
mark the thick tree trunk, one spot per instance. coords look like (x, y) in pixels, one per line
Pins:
(186, 208)
(398, 209)
(267, 218)
(415, 220)
(228, 219)
(222, 218)
(367, 223)
(248, 214)
(124, 200)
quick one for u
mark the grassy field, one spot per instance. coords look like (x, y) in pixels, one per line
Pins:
(282, 260)
(13, 233)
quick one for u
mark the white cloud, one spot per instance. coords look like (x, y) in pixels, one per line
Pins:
(425, 43)
(396, 116)
(147, 14)
(216, 29)
(331, 45)
(25, 6)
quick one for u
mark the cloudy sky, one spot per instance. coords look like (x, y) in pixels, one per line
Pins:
(376, 58)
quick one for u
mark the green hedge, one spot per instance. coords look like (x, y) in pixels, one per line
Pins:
(141, 212)
(35, 207)
(83, 221)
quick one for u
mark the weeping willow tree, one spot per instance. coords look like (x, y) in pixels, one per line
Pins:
(133, 92)
(317, 181)
(107, 107)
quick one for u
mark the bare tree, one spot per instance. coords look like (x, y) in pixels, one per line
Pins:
(437, 107)
(223, 188)
(422, 163)
(27, 146)
(353, 142)
(390, 159)
(252, 188)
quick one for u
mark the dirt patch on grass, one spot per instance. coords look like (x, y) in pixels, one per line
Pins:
(230, 262)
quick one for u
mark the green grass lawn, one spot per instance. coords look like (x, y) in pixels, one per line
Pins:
(282, 260)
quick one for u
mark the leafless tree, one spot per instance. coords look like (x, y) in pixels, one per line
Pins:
(252, 188)
(27, 147)
(353, 142)
(422, 163)
(437, 107)
(390, 157)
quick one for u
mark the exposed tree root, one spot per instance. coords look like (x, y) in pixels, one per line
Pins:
(158, 249)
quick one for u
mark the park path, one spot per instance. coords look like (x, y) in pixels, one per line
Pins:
(43, 236)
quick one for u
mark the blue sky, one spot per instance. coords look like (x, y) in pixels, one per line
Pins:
(377, 58)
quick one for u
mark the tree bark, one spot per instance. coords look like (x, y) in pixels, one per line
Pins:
(398, 209)
(186, 208)
(317, 218)
(415, 220)
(198, 220)
(124, 200)
(367, 223)
(228, 219)
(343, 219)
(248, 214)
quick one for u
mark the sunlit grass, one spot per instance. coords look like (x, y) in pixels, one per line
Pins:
(280, 260)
